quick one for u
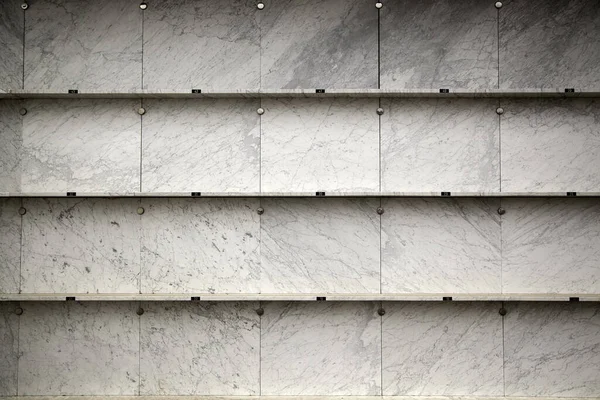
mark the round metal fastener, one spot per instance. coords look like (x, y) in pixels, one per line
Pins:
(381, 312)
(141, 111)
(378, 5)
(24, 6)
(140, 210)
(260, 210)
(380, 111)
(498, 4)
(260, 6)
(140, 311)
(260, 111)
(22, 211)
(143, 6)
(19, 311)
(23, 111)
(502, 311)
(501, 211)
(380, 210)
(260, 311)
(499, 110)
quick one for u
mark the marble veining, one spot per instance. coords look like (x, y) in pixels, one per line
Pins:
(440, 145)
(311, 145)
(320, 246)
(11, 43)
(200, 245)
(10, 245)
(439, 44)
(11, 141)
(72, 348)
(202, 44)
(551, 246)
(200, 349)
(85, 45)
(321, 348)
(549, 44)
(435, 245)
(80, 246)
(550, 145)
(319, 44)
(81, 145)
(208, 145)
(552, 349)
(442, 349)
(9, 348)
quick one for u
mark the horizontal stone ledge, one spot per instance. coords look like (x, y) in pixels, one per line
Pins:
(191, 397)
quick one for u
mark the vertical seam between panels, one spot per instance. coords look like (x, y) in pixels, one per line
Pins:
(381, 348)
(18, 347)
(378, 48)
(21, 251)
(140, 352)
(503, 358)
(23, 69)
(260, 351)
(498, 44)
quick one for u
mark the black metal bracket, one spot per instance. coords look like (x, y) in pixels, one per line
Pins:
(196, 194)
(320, 194)
(444, 90)
(70, 298)
(570, 90)
(574, 299)
(71, 194)
(73, 91)
(446, 194)
(320, 91)
(195, 298)
(571, 194)
(196, 91)
(446, 298)
(321, 298)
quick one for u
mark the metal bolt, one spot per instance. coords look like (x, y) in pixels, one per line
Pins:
(498, 4)
(23, 111)
(499, 110)
(24, 6)
(141, 111)
(501, 211)
(143, 6)
(22, 211)
(260, 6)
(260, 210)
(140, 210)
(378, 5)
(381, 312)
(140, 311)
(260, 311)
(260, 111)
(19, 311)
(380, 111)
(379, 210)
(502, 311)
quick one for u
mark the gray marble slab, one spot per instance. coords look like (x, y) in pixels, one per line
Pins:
(80, 246)
(551, 246)
(10, 245)
(208, 145)
(71, 348)
(314, 44)
(11, 141)
(434, 245)
(320, 348)
(552, 349)
(81, 146)
(200, 349)
(439, 44)
(202, 44)
(440, 145)
(320, 246)
(89, 45)
(311, 145)
(9, 348)
(550, 145)
(11, 42)
(549, 44)
(442, 349)
(200, 245)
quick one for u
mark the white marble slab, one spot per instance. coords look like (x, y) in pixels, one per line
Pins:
(202, 44)
(207, 145)
(89, 45)
(315, 44)
(551, 246)
(200, 246)
(81, 145)
(442, 349)
(434, 245)
(200, 349)
(72, 348)
(439, 44)
(552, 349)
(440, 145)
(11, 42)
(320, 246)
(320, 348)
(80, 246)
(9, 348)
(10, 245)
(11, 141)
(551, 145)
(549, 44)
(312, 145)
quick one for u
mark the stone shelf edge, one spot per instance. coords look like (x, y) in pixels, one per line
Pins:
(192, 397)
(302, 297)
(467, 93)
